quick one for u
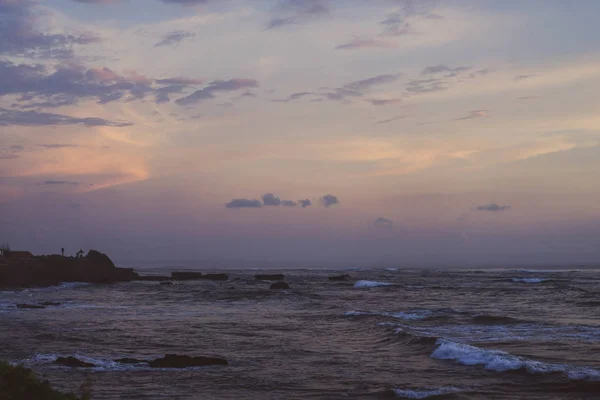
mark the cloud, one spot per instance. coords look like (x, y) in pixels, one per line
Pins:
(444, 69)
(382, 222)
(387, 121)
(19, 36)
(473, 115)
(522, 77)
(215, 87)
(57, 145)
(66, 84)
(61, 183)
(366, 84)
(244, 203)
(290, 12)
(289, 203)
(329, 200)
(35, 118)
(419, 86)
(366, 43)
(293, 97)
(179, 81)
(398, 23)
(305, 203)
(270, 199)
(384, 102)
(493, 207)
(174, 38)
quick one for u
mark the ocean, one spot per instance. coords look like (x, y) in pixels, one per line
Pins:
(382, 334)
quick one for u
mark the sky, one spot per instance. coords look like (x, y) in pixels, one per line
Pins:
(302, 132)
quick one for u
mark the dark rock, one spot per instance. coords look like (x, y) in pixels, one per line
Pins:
(186, 276)
(270, 277)
(168, 283)
(17, 382)
(215, 277)
(280, 285)
(32, 306)
(153, 278)
(130, 361)
(42, 271)
(72, 362)
(50, 303)
(177, 361)
(338, 278)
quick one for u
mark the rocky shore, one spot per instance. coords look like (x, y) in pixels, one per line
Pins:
(41, 271)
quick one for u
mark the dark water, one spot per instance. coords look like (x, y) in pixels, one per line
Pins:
(431, 334)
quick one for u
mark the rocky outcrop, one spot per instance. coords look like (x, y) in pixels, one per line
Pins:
(153, 278)
(280, 285)
(51, 270)
(17, 382)
(72, 362)
(177, 361)
(270, 277)
(338, 278)
(215, 277)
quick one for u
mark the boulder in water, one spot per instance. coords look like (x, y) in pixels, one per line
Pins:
(177, 361)
(30, 306)
(338, 278)
(215, 277)
(72, 362)
(50, 303)
(270, 277)
(280, 285)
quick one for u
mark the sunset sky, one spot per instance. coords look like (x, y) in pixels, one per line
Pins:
(302, 132)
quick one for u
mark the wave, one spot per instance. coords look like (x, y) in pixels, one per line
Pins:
(100, 364)
(501, 361)
(424, 394)
(370, 284)
(391, 269)
(414, 315)
(530, 280)
(483, 319)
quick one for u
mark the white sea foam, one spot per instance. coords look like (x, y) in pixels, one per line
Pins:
(414, 315)
(369, 284)
(529, 280)
(391, 269)
(423, 394)
(500, 361)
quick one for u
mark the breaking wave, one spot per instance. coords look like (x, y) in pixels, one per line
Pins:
(424, 394)
(529, 280)
(370, 284)
(501, 361)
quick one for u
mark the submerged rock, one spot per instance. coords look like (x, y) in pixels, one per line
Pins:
(177, 361)
(50, 303)
(72, 362)
(280, 285)
(167, 283)
(270, 277)
(31, 306)
(337, 278)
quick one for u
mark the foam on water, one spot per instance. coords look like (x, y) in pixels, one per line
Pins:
(423, 394)
(370, 284)
(100, 364)
(500, 361)
(530, 280)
